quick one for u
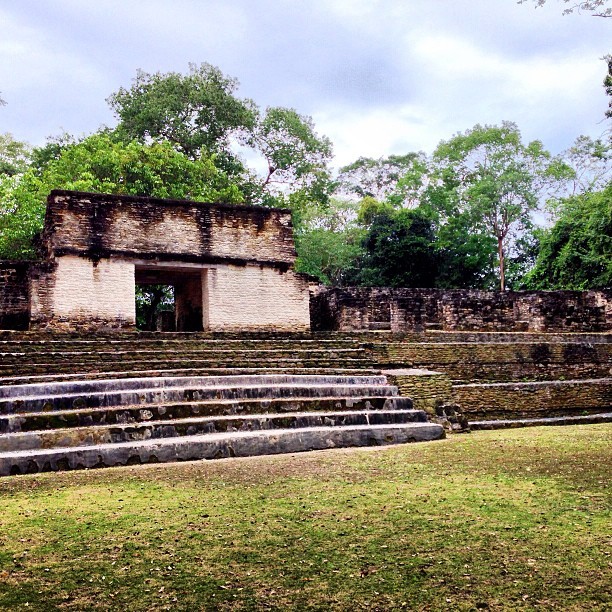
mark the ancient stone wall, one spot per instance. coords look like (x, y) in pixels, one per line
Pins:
(74, 291)
(534, 399)
(14, 300)
(231, 266)
(256, 297)
(98, 226)
(401, 310)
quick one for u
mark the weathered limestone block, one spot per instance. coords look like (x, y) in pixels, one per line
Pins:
(256, 297)
(427, 389)
(79, 292)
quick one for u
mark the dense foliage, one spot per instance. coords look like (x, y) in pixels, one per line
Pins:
(485, 210)
(576, 252)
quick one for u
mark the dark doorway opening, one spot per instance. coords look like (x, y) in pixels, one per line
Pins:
(172, 299)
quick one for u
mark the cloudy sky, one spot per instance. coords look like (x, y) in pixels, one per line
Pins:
(377, 76)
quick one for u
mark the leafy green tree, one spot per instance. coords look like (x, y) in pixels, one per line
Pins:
(197, 113)
(400, 250)
(294, 153)
(490, 176)
(55, 146)
(200, 114)
(330, 256)
(398, 179)
(328, 242)
(576, 252)
(14, 155)
(101, 164)
(466, 258)
(598, 8)
(588, 165)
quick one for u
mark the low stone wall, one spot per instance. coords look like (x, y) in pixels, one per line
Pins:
(534, 399)
(427, 389)
(400, 310)
(14, 300)
(469, 361)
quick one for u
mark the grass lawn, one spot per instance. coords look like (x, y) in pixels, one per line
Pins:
(514, 519)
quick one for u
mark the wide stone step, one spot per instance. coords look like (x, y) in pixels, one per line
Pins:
(502, 361)
(587, 419)
(124, 415)
(105, 354)
(107, 369)
(49, 365)
(512, 337)
(82, 394)
(151, 430)
(33, 346)
(466, 373)
(215, 446)
(80, 386)
(157, 372)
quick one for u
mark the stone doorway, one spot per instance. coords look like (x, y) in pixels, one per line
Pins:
(188, 285)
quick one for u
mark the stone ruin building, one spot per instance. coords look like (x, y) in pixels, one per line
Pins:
(231, 266)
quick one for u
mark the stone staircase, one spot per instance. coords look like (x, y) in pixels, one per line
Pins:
(100, 423)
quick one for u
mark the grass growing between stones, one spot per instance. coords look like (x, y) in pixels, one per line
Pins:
(514, 519)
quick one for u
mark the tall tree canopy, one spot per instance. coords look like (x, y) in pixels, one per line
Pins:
(398, 179)
(587, 165)
(295, 155)
(490, 176)
(576, 252)
(608, 85)
(15, 156)
(399, 249)
(197, 113)
(290, 146)
(200, 114)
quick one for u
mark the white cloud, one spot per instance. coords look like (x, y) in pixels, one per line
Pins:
(378, 76)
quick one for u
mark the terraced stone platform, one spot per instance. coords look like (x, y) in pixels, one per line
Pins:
(503, 376)
(100, 423)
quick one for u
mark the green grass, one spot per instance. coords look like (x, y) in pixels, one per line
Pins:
(514, 519)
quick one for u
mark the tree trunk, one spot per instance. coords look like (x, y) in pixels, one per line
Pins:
(502, 272)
